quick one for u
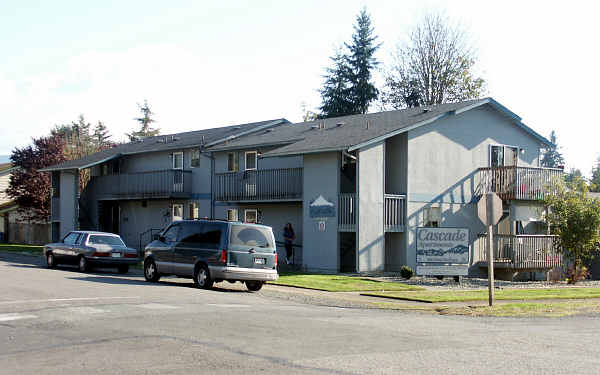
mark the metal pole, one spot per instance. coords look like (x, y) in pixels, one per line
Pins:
(490, 247)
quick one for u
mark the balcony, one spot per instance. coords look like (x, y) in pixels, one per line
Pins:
(265, 185)
(164, 184)
(520, 252)
(518, 183)
(394, 212)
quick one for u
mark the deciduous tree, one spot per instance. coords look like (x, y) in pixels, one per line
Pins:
(574, 218)
(435, 66)
(29, 188)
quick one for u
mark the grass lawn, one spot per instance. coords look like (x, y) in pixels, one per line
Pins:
(482, 295)
(338, 283)
(19, 248)
(527, 309)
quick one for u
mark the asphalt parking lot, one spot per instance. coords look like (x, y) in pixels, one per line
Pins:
(62, 321)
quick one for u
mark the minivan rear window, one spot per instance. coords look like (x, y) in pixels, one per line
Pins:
(246, 235)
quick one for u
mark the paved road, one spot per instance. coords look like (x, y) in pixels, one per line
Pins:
(64, 322)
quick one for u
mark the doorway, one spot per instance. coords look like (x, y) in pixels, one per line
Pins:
(347, 252)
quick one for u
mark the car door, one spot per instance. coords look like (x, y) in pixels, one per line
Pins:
(184, 257)
(199, 241)
(163, 250)
(65, 248)
(79, 246)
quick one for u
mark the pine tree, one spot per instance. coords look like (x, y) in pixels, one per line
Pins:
(552, 157)
(144, 121)
(101, 137)
(347, 88)
(595, 180)
(361, 61)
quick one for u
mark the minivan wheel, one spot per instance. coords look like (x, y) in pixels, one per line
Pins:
(83, 264)
(202, 277)
(150, 271)
(254, 286)
(50, 260)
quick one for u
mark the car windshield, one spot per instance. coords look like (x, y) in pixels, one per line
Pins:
(247, 235)
(105, 240)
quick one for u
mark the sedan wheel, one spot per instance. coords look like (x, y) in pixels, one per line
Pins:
(150, 272)
(50, 260)
(202, 277)
(83, 264)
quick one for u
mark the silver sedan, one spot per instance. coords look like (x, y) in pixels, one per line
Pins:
(87, 249)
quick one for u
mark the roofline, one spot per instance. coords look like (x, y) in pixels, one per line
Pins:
(8, 170)
(499, 107)
(250, 131)
(241, 147)
(8, 206)
(333, 149)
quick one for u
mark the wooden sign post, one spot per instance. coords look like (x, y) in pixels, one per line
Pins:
(489, 210)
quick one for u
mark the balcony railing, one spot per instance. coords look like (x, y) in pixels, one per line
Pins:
(284, 184)
(521, 252)
(170, 183)
(518, 183)
(394, 212)
(347, 212)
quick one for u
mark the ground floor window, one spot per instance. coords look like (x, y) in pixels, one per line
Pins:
(251, 216)
(177, 213)
(232, 214)
(432, 216)
(193, 210)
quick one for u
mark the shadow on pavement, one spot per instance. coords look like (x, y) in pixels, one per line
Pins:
(141, 281)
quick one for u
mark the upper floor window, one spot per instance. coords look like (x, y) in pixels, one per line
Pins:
(195, 158)
(503, 156)
(251, 160)
(232, 162)
(178, 160)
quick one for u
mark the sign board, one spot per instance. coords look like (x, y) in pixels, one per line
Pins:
(489, 209)
(443, 270)
(443, 245)
(321, 207)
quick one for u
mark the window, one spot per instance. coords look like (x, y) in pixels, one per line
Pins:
(195, 158)
(71, 238)
(503, 156)
(251, 236)
(81, 239)
(193, 210)
(105, 240)
(177, 213)
(250, 160)
(232, 162)
(232, 214)
(178, 160)
(204, 235)
(432, 217)
(250, 216)
(171, 234)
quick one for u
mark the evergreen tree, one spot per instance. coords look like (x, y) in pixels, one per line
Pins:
(552, 157)
(144, 121)
(595, 180)
(361, 61)
(573, 175)
(335, 94)
(101, 137)
(347, 88)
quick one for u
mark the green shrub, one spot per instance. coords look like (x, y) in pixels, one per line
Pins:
(406, 272)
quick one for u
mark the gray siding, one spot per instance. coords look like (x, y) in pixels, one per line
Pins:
(68, 202)
(396, 157)
(371, 185)
(321, 177)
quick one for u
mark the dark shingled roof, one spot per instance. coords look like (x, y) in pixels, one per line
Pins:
(341, 133)
(167, 142)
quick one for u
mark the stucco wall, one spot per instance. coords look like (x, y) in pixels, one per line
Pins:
(443, 159)
(371, 185)
(321, 177)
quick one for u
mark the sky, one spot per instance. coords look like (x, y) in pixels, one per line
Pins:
(203, 64)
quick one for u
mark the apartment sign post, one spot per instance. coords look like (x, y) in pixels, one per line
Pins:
(489, 210)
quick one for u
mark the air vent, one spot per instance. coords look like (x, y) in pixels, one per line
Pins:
(340, 124)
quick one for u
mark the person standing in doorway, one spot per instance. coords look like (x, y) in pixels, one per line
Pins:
(288, 238)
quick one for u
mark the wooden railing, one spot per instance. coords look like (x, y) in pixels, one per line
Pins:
(523, 183)
(521, 252)
(394, 212)
(259, 185)
(347, 212)
(169, 183)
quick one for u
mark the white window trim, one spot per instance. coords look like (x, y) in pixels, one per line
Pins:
(246, 215)
(182, 160)
(173, 211)
(255, 160)
(503, 152)
(192, 157)
(233, 210)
